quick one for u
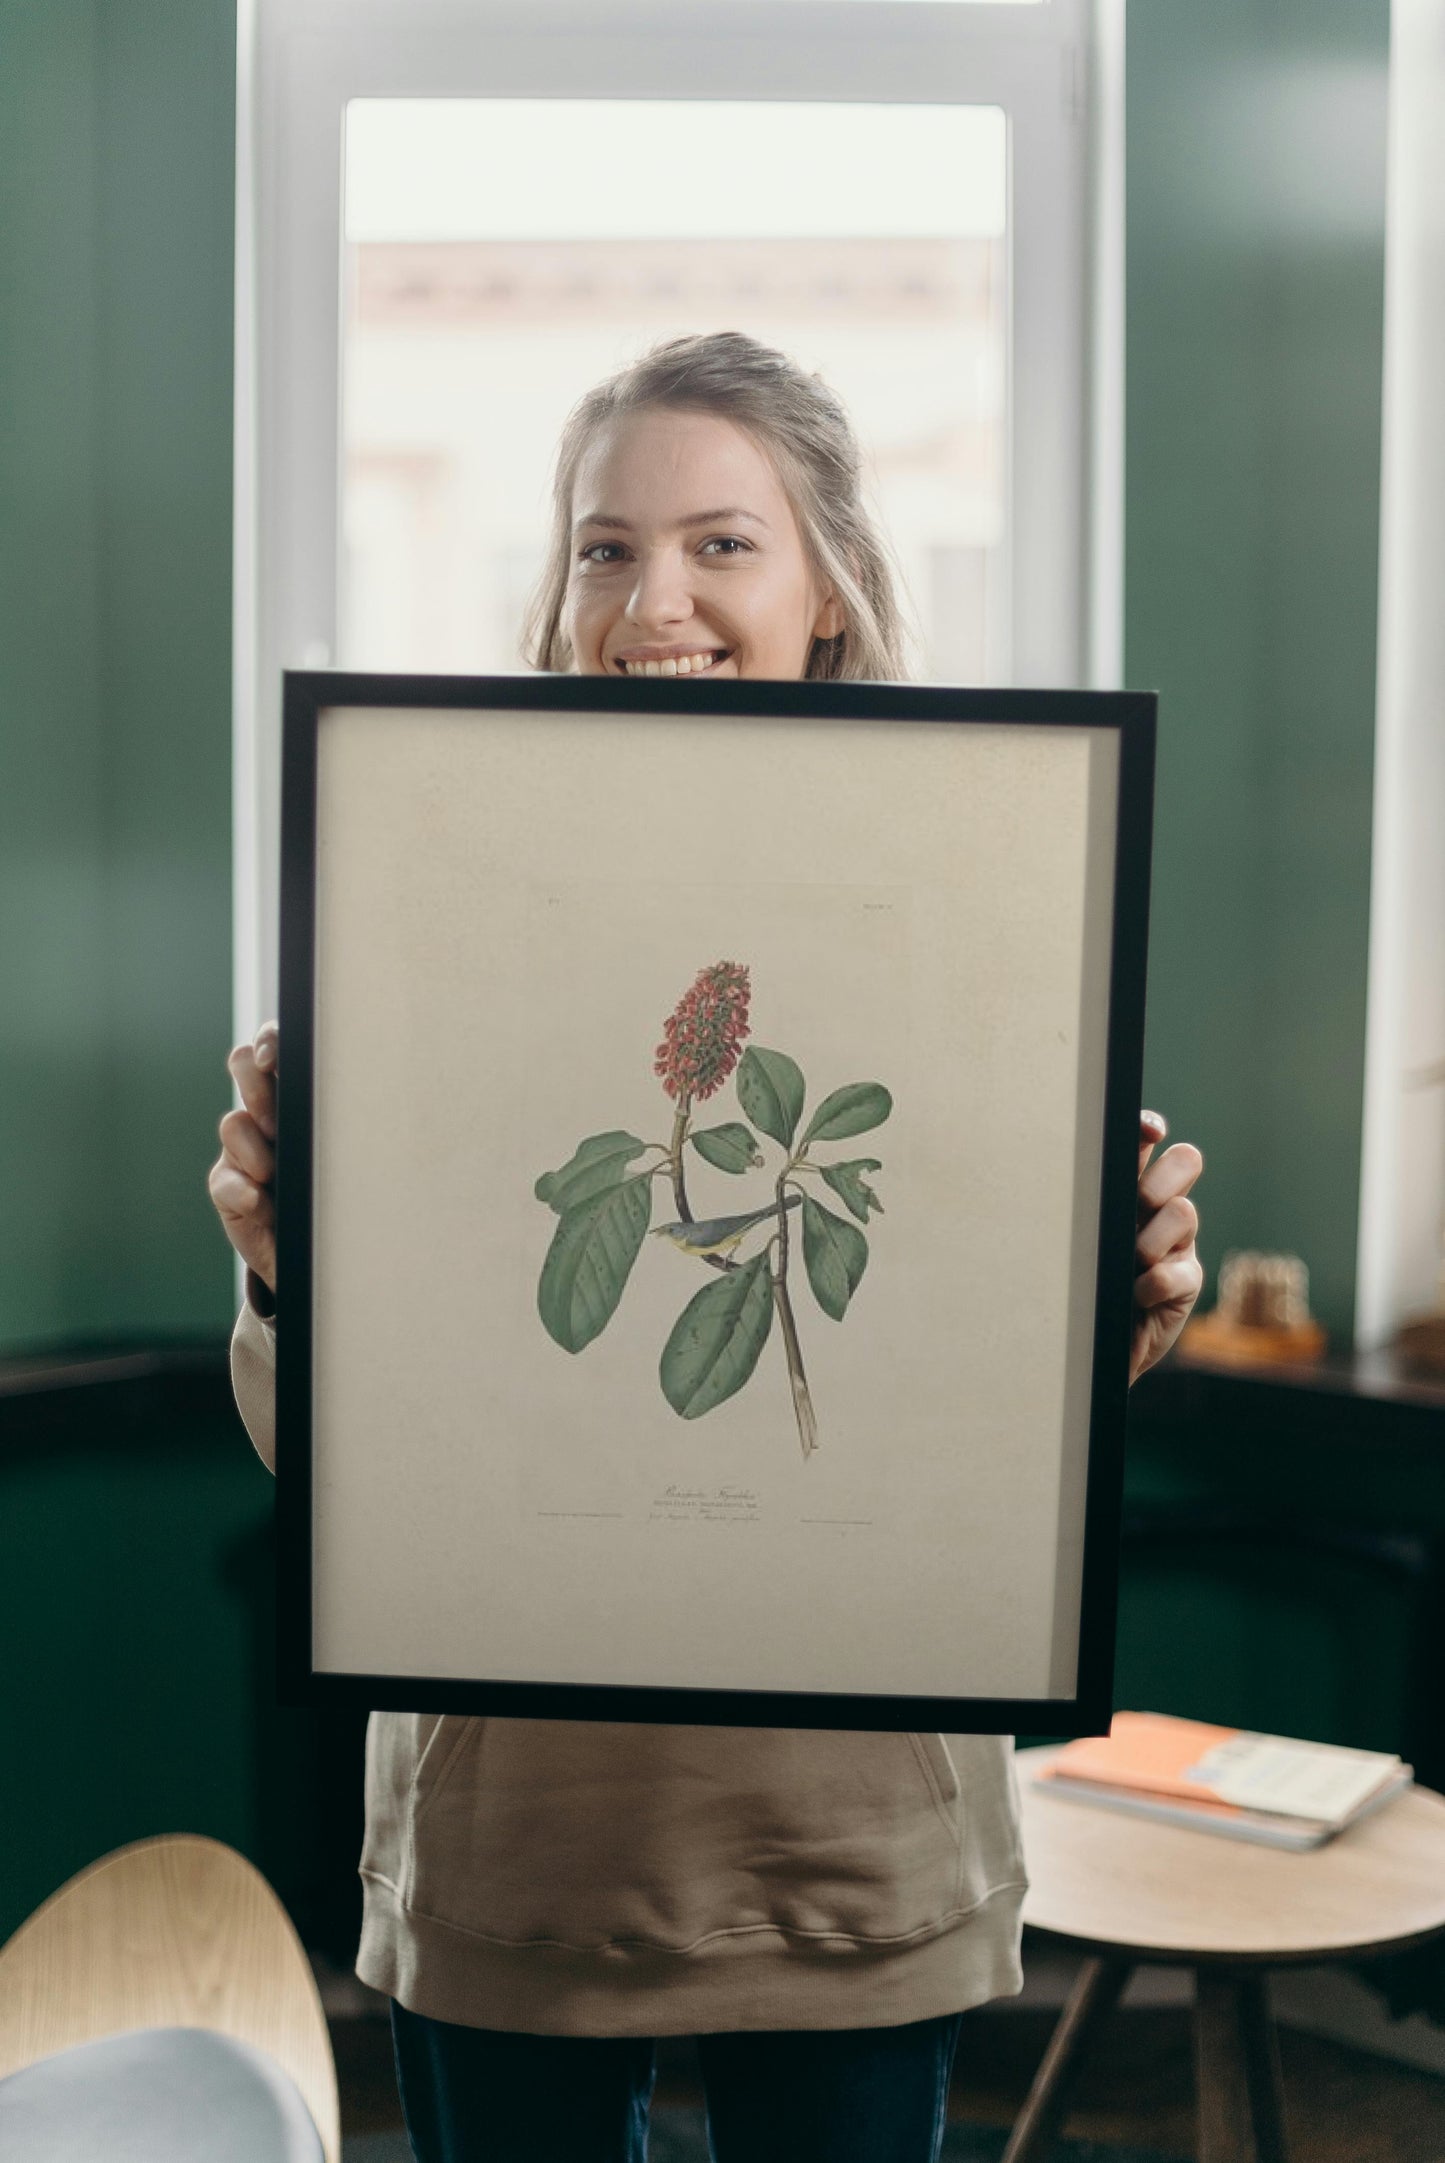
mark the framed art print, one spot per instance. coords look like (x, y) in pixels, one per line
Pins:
(708, 1142)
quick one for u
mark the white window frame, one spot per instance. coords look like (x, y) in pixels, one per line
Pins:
(1402, 1161)
(1056, 69)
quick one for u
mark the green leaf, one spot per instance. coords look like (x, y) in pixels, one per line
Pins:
(598, 1162)
(848, 1181)
(770, 1090)
(732, 1148)
(849, 1110)
(717, 1339)
(588, 1263)
(836, 1254)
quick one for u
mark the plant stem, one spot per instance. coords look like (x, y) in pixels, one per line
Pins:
(679, 1184)
(797, 1380)
(674, 1155)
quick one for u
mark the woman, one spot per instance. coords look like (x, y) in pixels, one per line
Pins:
(542, 1899)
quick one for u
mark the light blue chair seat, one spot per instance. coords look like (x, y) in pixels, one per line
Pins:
(156, 2095)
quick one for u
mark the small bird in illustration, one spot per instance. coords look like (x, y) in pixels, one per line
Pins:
(718, 1235)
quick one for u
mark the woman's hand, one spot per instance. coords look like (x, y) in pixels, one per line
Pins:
(1168, 1276)
(241, 1179)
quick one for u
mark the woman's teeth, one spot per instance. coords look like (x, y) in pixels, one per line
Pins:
(687, 664)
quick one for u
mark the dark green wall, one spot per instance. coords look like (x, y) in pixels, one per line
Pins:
(127, 1573)
(52, 973)
(137, 1607)
(1308, 1629)
(136, 1549)
(116, 154)
(1255, 267)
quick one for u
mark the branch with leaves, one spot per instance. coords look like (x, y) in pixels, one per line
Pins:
(603, 1198)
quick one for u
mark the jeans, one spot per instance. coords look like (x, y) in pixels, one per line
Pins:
(844, 2095)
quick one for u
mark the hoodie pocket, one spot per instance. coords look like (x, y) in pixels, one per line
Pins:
(405, 1752)
(452, 1735)
(439, 1754)
(940, 1773)
(584, 1836)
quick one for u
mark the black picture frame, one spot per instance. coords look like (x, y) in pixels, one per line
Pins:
(1131, 716)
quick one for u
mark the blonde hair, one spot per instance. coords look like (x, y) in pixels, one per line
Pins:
(804, 428)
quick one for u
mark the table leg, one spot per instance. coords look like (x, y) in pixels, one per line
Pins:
(1095, 1993)
(1241, 2118)
(1261, 2045)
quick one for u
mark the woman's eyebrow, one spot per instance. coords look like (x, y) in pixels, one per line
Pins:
(717, 518)
(698, 518)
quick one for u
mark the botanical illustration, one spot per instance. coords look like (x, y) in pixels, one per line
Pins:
(603, 1200)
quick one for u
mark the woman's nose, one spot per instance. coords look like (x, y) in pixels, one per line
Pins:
(661, 594)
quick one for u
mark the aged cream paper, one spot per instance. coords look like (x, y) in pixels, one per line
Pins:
(509, 905)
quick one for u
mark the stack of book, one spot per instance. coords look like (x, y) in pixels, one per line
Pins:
(1269, 1788)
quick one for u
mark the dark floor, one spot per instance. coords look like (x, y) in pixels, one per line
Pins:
(1343, 2105)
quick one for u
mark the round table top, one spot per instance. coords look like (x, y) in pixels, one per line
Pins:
(1166, 1892)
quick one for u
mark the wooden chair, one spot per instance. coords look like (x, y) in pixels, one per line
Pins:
(1125, 1890)
(175, 1932)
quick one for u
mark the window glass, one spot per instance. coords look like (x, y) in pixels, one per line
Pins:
(504, 255)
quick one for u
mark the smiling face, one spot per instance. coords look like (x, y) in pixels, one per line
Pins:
(686, 556)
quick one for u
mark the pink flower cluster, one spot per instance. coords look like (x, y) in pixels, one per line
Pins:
(703, 1036)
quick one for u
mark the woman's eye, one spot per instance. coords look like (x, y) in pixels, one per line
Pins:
(598, 552)
(727, 544)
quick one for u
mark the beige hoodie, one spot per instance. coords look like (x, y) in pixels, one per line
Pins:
(579, 1878)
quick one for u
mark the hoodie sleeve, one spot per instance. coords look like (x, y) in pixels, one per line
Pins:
(253, 1368)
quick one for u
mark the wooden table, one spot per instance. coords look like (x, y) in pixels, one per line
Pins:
(1125, 1890)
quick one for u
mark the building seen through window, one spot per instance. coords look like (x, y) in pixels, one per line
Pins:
(465, 343)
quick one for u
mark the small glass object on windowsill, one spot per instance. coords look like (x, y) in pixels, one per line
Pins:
(1262, 1317)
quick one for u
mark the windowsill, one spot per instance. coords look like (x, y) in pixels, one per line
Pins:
(94, 1362)
(1371, 1391)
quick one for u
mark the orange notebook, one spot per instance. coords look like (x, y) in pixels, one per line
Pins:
(1158, 1755)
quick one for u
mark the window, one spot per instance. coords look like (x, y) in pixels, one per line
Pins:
(503, 255)
(449, 213)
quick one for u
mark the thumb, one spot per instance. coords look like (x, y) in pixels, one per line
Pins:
(1153, 1127)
